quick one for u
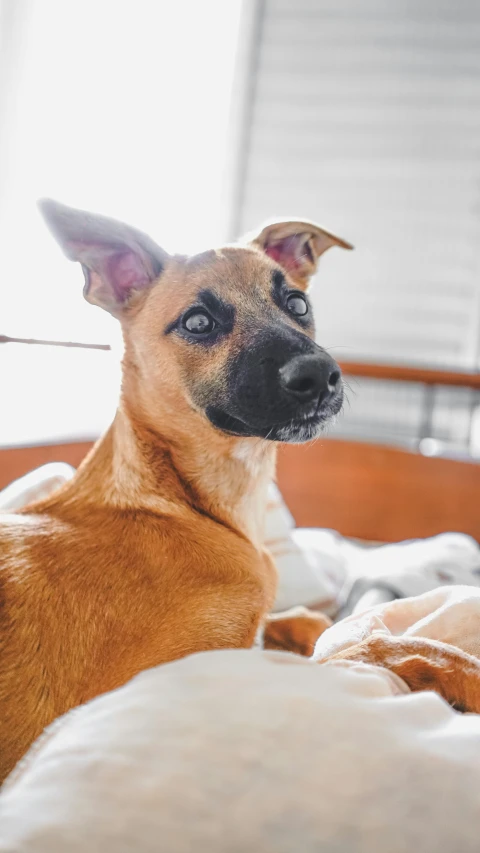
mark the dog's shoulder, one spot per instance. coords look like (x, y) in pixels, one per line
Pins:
(15, 530)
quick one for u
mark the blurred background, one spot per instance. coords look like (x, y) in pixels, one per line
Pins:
(195, 122)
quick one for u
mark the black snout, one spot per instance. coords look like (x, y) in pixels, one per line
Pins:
(284, 387)
(310, 377)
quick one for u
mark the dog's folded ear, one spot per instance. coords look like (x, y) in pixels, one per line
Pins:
(117, 260)
(296, 245)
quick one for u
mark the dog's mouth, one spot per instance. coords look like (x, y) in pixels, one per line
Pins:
(296, 430)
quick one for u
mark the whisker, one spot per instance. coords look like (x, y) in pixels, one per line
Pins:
(347, 385)
(337, 346)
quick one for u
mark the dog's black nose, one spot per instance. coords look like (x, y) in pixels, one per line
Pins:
(310, 377)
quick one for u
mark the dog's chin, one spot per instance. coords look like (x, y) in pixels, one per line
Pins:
(295, 431)
(300, 431)
(305, 429)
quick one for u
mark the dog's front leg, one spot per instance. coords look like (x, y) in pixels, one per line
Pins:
(424, 665)
(295, 630)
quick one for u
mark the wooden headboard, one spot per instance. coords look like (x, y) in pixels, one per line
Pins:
(382, 494)
(364, 490)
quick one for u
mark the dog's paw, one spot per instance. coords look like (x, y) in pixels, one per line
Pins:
(296, 630)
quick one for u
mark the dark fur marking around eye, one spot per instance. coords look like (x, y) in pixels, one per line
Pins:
(222, 312)
(279, 285)
(280, 293)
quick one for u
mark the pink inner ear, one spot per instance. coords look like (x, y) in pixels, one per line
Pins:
(291, 252)
(125, 272)
(274, 252)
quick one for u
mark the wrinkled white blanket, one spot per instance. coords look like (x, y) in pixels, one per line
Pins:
(448, 614)
(241, 751)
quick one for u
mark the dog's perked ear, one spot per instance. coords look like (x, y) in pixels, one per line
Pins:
(296, 245)
(117, 260)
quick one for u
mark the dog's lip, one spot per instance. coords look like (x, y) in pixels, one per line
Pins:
(227, 420)
(321, 412)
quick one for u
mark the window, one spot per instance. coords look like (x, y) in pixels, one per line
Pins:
(366, 118)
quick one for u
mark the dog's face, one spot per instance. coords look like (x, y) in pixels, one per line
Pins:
(229, 332)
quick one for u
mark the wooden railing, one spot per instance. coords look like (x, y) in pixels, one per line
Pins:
(399, 373)
(431, 379)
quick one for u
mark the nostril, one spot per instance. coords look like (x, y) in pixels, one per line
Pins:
(302, 384)
(334, 379)
(310, 377)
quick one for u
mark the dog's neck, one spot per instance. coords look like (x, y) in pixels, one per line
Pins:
(136, 467)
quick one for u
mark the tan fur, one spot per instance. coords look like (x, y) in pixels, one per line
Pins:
(424, 665)
(296, 630)
(154, 549)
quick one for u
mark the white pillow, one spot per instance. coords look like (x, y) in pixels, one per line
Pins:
(311, 572)
(35, 485)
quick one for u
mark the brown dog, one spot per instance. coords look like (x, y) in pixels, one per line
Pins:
(154, 550)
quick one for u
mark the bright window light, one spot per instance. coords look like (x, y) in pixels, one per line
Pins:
(121, 107)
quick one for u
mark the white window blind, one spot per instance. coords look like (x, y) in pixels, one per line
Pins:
(366, 117)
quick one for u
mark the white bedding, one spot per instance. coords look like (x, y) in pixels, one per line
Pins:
(250, 752)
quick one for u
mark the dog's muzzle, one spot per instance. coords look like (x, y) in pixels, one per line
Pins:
(315, 382)
(288, 402)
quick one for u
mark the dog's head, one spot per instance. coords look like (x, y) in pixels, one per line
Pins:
(229, 332)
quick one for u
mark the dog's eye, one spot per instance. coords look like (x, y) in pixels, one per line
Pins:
(199, 323)
(297, 304)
